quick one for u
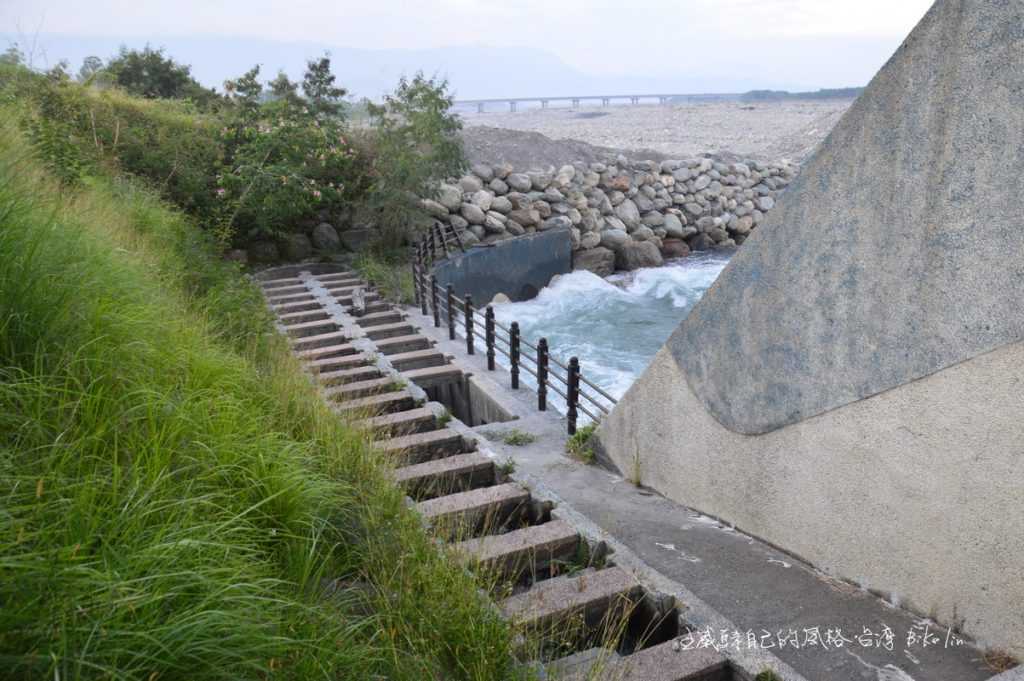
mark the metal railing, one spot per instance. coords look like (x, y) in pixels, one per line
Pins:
(581, 395)
(440, 241)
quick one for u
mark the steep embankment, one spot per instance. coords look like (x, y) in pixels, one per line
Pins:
(174, 496)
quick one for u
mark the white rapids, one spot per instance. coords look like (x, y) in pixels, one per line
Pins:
(614, 325)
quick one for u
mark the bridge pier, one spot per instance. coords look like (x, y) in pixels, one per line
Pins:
(480, 107)
(543, 103)
(634, 100)
(575, 103)
(511, 106)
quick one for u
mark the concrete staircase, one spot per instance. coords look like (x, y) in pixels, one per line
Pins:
(585, 617)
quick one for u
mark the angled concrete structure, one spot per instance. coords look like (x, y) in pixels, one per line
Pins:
(852, 387)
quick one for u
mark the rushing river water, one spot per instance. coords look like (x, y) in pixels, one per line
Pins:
(614, 325)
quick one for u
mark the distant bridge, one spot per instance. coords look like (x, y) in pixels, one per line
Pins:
(606, 100)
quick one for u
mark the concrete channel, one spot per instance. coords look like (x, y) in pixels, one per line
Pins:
(581, 547)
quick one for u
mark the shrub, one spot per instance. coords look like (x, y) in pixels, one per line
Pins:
(579, 445)
(416, 143)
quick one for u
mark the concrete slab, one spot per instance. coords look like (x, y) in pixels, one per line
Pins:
(348, 376)
(397, 400)
(327, 364)
(451, 474)
(351, 391)
(663, 662)
(589, 594)
(468, 511)
(429, 377)
(417, 359)
(402, 422)
(319, 340)
(390, 330)
(420, 447)
(525, 550)
(402, 344)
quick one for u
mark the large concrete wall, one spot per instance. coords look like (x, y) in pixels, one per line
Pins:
(915, 491)
(852, 387)
(518, 268)
(896, 252)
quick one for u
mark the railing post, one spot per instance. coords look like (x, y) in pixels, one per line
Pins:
(574, 393)
(434, 301)
(513, 351)
(542, 374)
(489, 335)
(416, 283)
(451, 312)
(421, 284)
(470, 350)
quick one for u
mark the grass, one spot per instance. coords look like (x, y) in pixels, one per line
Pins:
(579, 445)
(513, 437)
(390, 272)
(174, 495)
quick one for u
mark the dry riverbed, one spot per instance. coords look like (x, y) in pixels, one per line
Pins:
(762, 131)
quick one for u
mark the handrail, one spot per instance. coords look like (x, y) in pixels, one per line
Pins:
(447, 307)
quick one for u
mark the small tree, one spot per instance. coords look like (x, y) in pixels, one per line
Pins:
(324, 99)
(150, 73)
(13, 56)
(91, 66)
(417, 143)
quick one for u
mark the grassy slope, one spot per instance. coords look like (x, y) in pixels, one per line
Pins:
(173, 493)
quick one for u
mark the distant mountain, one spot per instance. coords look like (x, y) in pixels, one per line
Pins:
(475, 72)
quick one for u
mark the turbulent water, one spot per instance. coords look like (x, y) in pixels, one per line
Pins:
(614, 325)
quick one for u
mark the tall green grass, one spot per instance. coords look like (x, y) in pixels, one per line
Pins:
(176, 502)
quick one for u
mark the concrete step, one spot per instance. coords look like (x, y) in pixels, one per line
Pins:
(286, 290)
(303, 316)
(430, 377)
(348, 376)
(527, 550)
(390, 330)
(380, 318)
(420, 447)
(345, 289)
(401, 344)
(328, 352)
(278, 283)
(337, 276)
(329, 364)
(384, 403)
(408, 422)
(320, 340)
(357, 389)
(304, 329)
(599, 597)
(417, 359)
(657, 663)
(299, 306)
(449, 475)
(275, 299)
(466, 514)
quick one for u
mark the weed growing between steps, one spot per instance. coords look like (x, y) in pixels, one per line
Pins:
(579, 445)
(174, 496)
(390, 272)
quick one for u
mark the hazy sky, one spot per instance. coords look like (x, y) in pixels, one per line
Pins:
(813, 41)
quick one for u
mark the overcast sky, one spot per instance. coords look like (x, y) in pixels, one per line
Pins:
(814, 42)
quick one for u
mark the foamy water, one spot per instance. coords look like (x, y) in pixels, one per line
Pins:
(614, 325)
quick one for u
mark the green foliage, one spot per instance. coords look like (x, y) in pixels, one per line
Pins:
(283, 160)
(91, 66)
(323, 97)
(389, 272)
(579, 445)
(416, 142)
(518, 438)
(767, 675)
(150, 73)
(174, 495)
(12, 56)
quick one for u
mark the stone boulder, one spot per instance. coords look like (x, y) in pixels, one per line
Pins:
(674, 248)
(614, 238)
(450, 197)
(295, 247)
(598, 260)
(636, 254)
(357, 238)
(325, 237)
(263, 252)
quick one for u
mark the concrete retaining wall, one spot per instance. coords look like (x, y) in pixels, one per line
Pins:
(915, 491)
(518, 268)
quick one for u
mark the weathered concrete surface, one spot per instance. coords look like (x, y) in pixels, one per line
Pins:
(898, 250)
(724, 578)
(518, 268)
(915, 491)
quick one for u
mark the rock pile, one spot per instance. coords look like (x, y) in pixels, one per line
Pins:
(621, 215)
